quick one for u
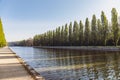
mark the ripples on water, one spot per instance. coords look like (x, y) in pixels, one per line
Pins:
(56, 64)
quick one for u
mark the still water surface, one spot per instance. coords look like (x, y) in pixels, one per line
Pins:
(56, 64)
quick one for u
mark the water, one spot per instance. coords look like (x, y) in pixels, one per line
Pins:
(56, 64)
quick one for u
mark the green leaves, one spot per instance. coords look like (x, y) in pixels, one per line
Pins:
(94, 31)
(104, 23)
(2, 36)
(87, 33)
(115, 27)
(81, 33)
(99, 33)
(75, 33)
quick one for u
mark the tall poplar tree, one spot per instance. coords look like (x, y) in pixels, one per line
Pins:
(59, 36)
(62, 35)
(54, 38)
(115, 28)
(75, 33)
(99, 32)
(87, 32)
(105, 31)
(94, 31)
(70, 34)
(2, 36)
(66, 35)
(81, 37)
(36, 40)
(49, 38)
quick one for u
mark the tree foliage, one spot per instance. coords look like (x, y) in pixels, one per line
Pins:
(96, 32)
(81, 33)
(87, 33)
(75, 33)
(2, 36)
(115, 27)
(104, 23)
(70, 34)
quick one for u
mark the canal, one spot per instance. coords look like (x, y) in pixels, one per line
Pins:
(58, 64)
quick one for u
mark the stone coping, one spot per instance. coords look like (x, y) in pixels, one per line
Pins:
(94, 48)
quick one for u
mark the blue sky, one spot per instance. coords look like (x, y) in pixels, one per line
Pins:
(25, 18)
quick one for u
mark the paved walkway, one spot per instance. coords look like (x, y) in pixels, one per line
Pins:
(10, 67)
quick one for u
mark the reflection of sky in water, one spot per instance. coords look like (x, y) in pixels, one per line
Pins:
(72, 65)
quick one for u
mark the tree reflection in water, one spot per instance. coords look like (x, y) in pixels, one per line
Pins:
(57, 64)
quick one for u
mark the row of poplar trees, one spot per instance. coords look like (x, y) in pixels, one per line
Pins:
(98, 32)
(2, 36)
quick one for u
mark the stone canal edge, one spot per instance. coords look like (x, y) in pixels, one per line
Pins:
(29, 69)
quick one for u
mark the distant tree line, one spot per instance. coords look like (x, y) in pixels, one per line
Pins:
(2, 36)
(97, 32)
(28, 42)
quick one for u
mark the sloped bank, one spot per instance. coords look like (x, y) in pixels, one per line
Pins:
(100, 48)
(33, 73)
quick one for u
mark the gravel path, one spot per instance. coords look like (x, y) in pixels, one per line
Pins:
(10, 67)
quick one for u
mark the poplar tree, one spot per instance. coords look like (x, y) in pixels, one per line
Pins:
(94, 31)
(59, 36)
(70, 34)
(115, 28)
(62, 35)
(75, 33)
(66, 35)
(49, 38)
(99, 32)
(2, 36)
(81, 37)
(104, 23)
(87, 33)
(36, 40)
(54, 38)
(45, 41)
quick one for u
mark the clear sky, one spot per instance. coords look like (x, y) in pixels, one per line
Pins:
(25, 18)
